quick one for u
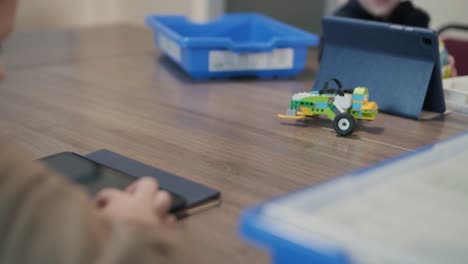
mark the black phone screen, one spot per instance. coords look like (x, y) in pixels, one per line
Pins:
(95, 176)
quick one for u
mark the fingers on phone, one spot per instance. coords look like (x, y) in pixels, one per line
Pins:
(162, 203)
(146, 188)
(171, 220)
(106, 196)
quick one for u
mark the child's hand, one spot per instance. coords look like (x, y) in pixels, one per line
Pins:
(141, 203)
(447, 61)
(453, 70)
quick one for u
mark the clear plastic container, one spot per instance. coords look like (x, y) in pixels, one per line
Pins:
(456, 94)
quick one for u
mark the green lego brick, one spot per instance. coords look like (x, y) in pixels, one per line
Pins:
(361, 90)
(309, 101)
(369, 113)
(355, 114)
(293, 105)
(324, 99)
(330, 114)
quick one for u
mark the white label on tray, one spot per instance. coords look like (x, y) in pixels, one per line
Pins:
(278, 59)
(170, 48)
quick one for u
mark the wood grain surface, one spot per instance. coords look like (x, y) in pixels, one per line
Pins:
(108, 87)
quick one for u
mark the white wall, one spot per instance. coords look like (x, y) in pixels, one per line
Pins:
(198, 10)
(47, 14)
(134, 11)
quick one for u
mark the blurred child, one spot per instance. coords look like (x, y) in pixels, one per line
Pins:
(392, 11)
(396, 12)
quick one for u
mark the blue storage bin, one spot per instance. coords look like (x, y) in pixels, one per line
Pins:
(233, 45)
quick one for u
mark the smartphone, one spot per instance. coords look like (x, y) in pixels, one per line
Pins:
(95, 176)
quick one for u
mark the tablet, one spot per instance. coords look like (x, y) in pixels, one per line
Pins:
(398, 64)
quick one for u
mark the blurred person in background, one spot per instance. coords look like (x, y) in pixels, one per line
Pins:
(392, 11)
(397, 12)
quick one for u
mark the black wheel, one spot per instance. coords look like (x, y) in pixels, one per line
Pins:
(344, 124)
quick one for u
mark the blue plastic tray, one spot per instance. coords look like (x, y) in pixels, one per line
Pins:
(233, 45)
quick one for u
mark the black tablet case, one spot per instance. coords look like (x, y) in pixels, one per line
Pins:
(194, 193)
(399, 65)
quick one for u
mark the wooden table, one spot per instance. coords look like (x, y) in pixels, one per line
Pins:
(107, 87)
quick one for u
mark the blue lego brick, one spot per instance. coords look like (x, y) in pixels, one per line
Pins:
(322, 105)
(357, 106)
(358, 97)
